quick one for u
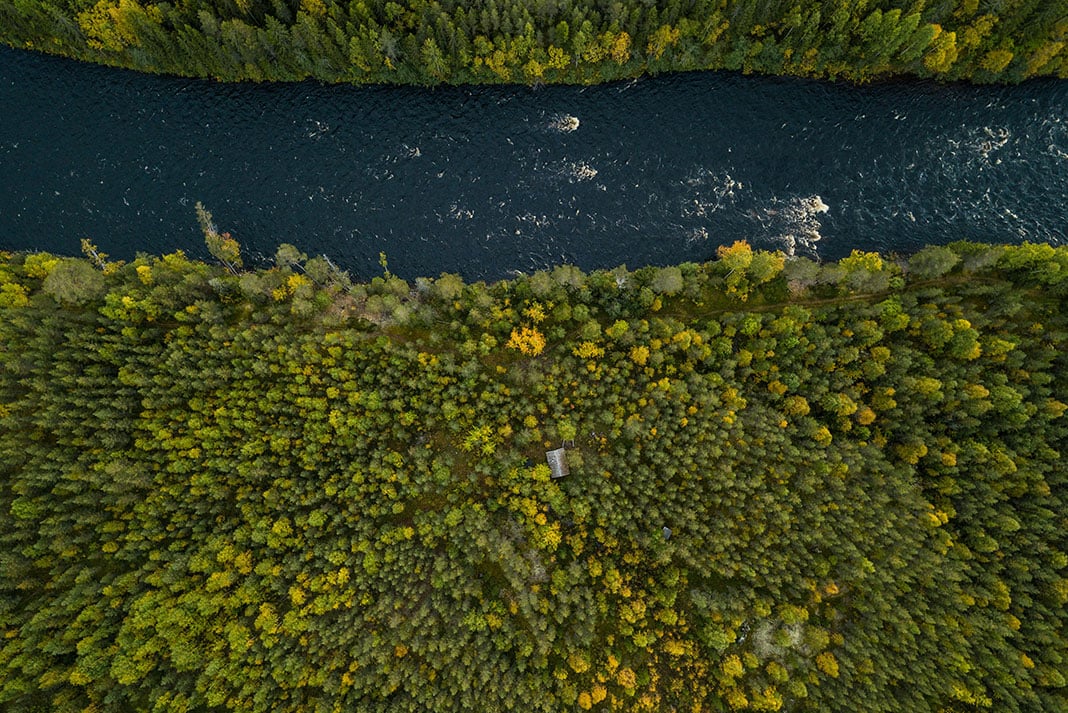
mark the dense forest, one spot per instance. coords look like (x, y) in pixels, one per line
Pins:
(793, 486)
(576, 41)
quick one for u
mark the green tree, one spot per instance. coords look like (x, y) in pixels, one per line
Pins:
(74, 282)
(220, 245)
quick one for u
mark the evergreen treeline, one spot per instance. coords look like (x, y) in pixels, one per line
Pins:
(276, 490)
(435, 41)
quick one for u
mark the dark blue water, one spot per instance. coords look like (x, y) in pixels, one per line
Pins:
(487, 181)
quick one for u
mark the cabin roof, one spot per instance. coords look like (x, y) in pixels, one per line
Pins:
(557, 460)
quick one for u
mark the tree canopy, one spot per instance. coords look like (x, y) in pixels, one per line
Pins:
(574, 41)
(280, 490)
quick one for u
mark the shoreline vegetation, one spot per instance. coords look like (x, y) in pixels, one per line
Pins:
(279, 490)
(427, 42)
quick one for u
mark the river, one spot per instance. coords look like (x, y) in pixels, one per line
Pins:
(490, 181)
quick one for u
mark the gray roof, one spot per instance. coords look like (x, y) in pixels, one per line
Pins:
(557, 462)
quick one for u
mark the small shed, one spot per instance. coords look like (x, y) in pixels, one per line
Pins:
(557, 462)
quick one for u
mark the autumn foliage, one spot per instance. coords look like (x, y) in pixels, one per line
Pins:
(280, 490)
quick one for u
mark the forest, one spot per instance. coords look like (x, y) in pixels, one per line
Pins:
(432, 42)
(793, 486)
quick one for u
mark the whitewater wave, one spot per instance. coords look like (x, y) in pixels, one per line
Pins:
(315, 129)
(978, 145)
(564, 123)
(458, 213)
(793, 224)
(709, 193)
(577, 171)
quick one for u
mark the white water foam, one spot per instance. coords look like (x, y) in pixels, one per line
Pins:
(697, 235)
(578, 171)
(538, 221)
(793, 224)
(977, 145)
(458, 213)
(316, 129)
(1057, 132)
(564, 123)
(710, 193)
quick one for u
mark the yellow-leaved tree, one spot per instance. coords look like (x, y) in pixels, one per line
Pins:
(527, 340)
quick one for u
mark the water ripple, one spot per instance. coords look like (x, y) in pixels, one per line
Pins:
(489, 180)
